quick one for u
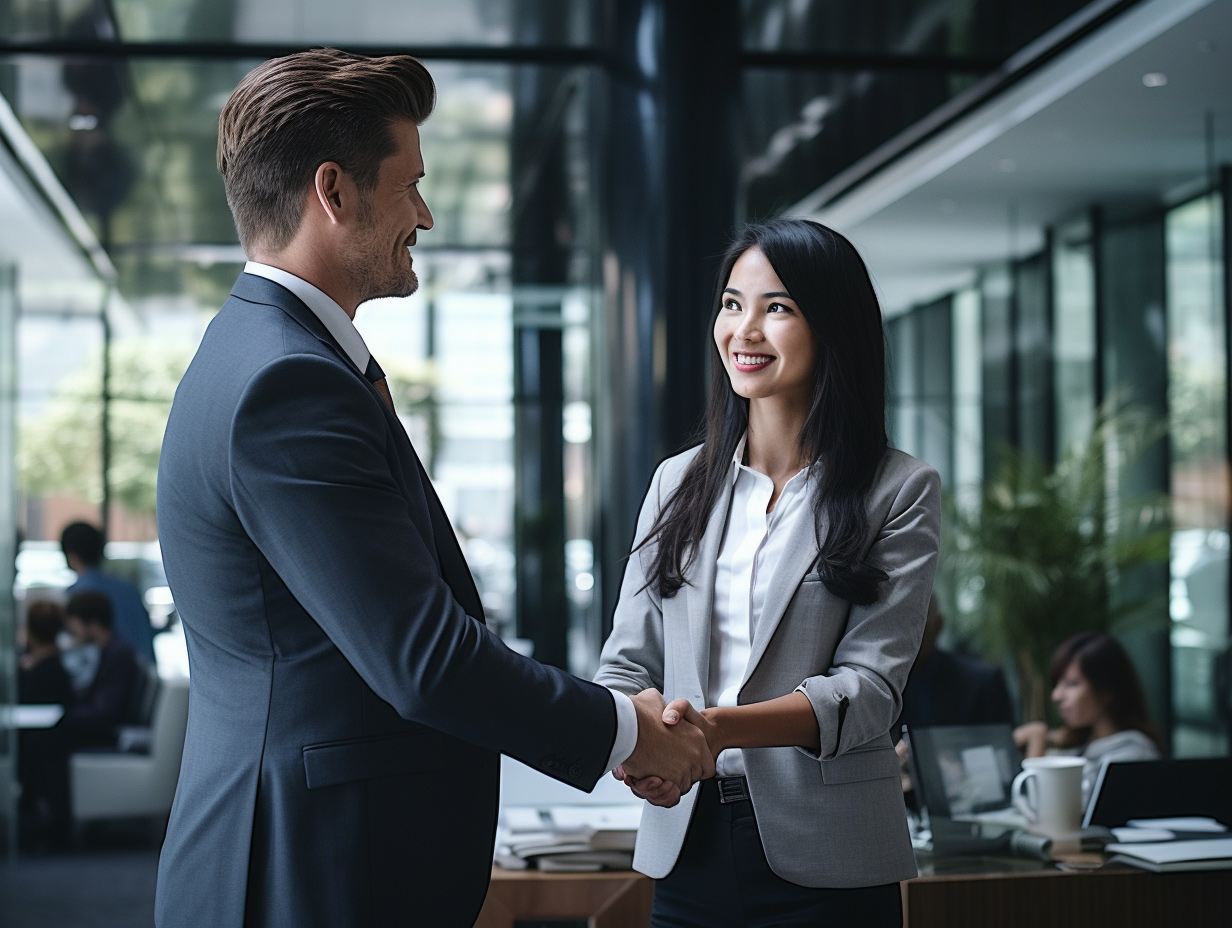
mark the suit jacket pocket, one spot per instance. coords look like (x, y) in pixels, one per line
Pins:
(331, 763)
(860, 765)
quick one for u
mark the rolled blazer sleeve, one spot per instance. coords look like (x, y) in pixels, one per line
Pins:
(632, 657)
(859, 698)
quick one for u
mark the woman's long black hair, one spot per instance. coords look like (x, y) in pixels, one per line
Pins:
(844, 433)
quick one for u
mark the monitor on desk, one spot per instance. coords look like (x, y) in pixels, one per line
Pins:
(1127, 790)
(964, 771)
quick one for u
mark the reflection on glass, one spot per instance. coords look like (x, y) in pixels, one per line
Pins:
(1073, 338)
(308, 22)
(1197, 387)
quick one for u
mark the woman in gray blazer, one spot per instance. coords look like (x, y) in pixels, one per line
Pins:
(776, 593)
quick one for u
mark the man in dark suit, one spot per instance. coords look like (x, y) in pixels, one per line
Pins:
(945, 688)
(348, 704)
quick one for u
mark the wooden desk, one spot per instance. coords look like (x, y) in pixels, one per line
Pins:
(963, 893)
(609, 899)
(1032, 896)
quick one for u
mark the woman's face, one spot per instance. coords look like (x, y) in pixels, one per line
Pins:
(765, 342)
(1078, 704)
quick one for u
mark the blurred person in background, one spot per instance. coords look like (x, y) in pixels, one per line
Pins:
(952, 689)
(948, 689)
(94, 718)
(1103, 711)
(83, 549)
(42, 753)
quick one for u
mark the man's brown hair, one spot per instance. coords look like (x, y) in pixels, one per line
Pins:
(290, 115)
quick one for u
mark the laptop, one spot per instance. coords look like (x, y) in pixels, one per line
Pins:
(963, 775)
(964, 772)
(1146, 789)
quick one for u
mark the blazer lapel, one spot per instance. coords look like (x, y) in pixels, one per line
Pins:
(699, 591)
(784, 580)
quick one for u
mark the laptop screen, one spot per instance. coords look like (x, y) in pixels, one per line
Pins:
(1161, 789)
(963, 770)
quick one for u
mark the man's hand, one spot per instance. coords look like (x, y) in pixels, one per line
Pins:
(668, 759)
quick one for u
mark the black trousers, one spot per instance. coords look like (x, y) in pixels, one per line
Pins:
(722, 880)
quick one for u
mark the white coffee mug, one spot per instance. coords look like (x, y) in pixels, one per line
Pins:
(1048, 793)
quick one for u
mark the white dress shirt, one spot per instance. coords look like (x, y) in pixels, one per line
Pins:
(753, 544)
(342, 328)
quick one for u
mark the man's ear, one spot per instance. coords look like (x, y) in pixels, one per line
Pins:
(335, 192)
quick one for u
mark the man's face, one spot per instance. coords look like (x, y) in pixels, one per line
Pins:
(77, 628)
(377, 258)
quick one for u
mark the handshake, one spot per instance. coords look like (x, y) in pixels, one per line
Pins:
(676, 747)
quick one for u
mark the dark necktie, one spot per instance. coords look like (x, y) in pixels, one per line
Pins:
(378, 379)
(454, 570)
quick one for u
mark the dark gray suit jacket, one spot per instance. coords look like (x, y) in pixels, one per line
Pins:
(347, 703)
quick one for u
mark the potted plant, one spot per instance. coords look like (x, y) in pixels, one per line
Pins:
(1042, 552)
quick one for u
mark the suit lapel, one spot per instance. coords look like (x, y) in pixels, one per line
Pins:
(454, 571)
(699, 591)
(784, 580)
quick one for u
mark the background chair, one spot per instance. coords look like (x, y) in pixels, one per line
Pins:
(122, 785)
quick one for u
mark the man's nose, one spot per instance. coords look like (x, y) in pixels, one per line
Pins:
(425, 215)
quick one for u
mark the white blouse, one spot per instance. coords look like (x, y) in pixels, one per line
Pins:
(753, 545)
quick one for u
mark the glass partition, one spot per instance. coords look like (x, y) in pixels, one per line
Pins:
(1197, 421)
(1073, 333)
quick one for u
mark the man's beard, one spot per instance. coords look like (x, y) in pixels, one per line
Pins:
(372, 268)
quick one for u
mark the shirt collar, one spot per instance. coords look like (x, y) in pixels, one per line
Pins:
(332, 316)
(738, 464)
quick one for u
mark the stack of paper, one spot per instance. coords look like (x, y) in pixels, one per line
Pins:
(1167, 844)
(568, 838)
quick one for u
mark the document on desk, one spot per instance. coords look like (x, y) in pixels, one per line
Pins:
(1210, 853)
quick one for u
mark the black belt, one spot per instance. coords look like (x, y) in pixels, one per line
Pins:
(732, 789)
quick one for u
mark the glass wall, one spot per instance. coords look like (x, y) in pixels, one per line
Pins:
(1073, 334)
(1197, 424)
(1130, 306)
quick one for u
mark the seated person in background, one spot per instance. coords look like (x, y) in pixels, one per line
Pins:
(945, 688)
(42, 753)
(1103, 712)
(93, 719)
(950, 689)
(42, 679)
(83, 545)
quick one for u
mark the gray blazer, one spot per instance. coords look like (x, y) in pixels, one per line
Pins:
(835, 819)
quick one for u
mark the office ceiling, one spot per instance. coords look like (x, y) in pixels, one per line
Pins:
(1083, 130)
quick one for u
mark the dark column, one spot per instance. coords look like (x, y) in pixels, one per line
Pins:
(1223, 665)
(8, 548)
(543, 237)
(667, 145)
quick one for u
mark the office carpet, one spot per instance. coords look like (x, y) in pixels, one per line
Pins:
(111, 888)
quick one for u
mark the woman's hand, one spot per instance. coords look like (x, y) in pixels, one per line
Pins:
(1032, 738)
(656, 790)
(705, 720)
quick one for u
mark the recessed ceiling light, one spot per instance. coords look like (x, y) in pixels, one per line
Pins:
(1154, 79)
